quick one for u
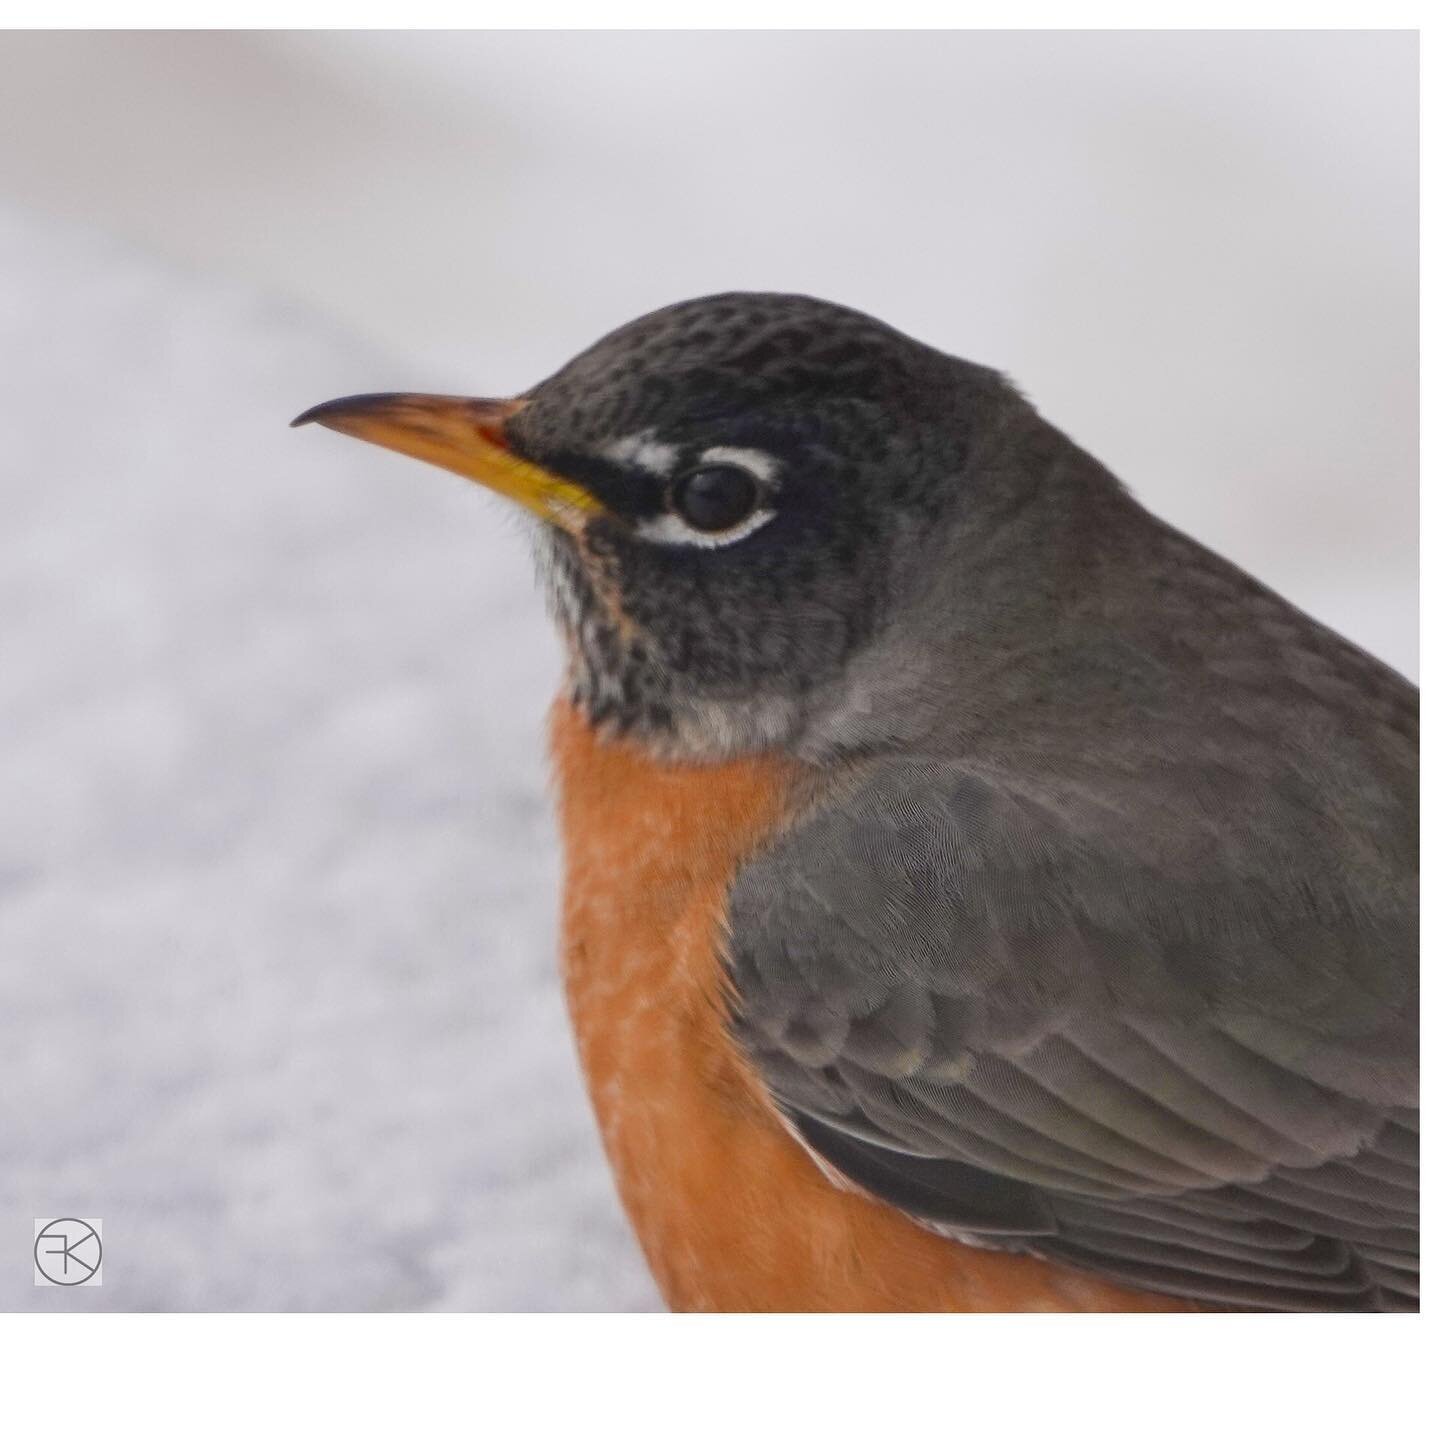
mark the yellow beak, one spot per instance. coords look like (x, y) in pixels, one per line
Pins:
(466, 436)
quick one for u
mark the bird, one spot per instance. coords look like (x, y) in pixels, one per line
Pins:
(979, 895)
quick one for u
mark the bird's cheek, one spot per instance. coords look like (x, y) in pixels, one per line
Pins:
(601, 561)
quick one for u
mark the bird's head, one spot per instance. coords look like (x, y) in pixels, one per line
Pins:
(735, 496)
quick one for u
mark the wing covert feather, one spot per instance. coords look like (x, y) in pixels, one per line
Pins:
(1042, 1019)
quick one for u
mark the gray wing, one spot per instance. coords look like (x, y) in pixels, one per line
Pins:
(1184, 1057)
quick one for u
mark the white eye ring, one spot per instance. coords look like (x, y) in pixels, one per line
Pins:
(669, 528)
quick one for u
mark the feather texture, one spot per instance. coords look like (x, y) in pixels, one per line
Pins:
(1024, 1019)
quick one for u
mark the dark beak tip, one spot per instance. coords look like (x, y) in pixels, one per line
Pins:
(345, 406)
(315, 412)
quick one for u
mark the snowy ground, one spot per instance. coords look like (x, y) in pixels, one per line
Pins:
(277, 994)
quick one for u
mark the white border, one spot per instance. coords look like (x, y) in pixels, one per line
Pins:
(743, 1378)
(1169, 1377)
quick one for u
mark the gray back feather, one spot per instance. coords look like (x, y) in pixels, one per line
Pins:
(1114, 957)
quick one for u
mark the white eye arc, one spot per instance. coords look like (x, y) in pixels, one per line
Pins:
(762, 466)
(645, 451)
(669, 529)
(672, 528)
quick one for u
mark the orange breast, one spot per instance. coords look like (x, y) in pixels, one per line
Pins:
(731, 1212)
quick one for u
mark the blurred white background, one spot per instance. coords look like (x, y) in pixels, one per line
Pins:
(276, 873)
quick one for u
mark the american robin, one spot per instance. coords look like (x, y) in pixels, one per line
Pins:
(979, 895)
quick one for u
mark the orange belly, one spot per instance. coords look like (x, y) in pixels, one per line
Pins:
(731, 1212)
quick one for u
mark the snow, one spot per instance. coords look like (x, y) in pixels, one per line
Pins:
(278, 999)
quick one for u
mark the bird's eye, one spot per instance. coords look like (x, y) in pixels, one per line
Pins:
(715, 497)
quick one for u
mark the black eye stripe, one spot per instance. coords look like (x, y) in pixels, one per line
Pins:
(714, 497)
